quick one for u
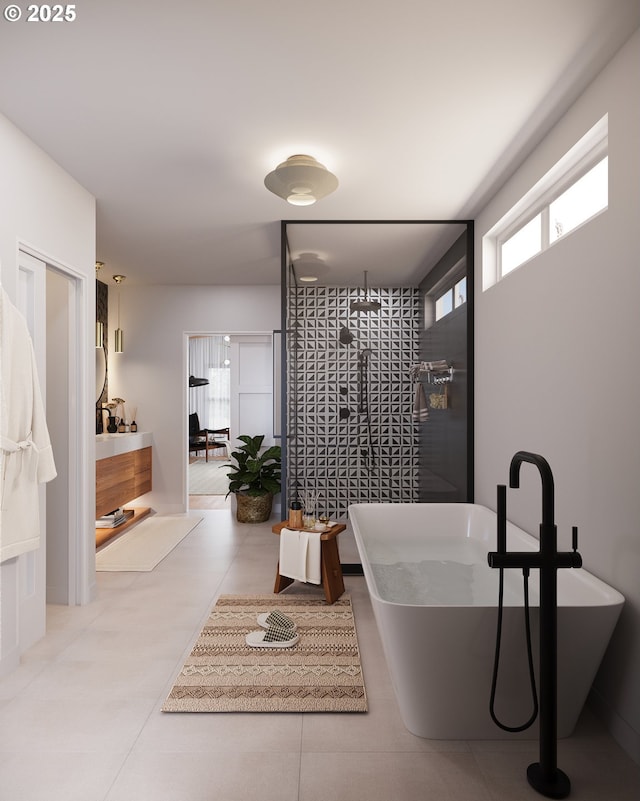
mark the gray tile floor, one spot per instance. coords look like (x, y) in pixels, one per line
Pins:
(80, 720)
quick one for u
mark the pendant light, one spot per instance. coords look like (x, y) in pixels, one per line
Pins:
(119, 334)
(301, 180)
(99, 323)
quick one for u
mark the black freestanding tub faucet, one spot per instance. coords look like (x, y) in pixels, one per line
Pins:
(544, 776)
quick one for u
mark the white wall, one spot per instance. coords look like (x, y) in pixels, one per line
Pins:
(556, 373)
(43, 208)
(151, 373)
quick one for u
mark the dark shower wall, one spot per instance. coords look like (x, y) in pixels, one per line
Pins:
(342, 457)
(444, 436)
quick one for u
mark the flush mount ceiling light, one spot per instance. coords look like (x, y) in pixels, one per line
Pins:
(301, 180)
(309, 267)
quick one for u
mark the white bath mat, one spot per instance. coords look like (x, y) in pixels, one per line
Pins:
(145, 545)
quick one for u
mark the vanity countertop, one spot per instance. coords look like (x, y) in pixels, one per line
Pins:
(112, 444)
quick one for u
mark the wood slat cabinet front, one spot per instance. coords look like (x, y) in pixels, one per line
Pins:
(142, 471)
(121, 478)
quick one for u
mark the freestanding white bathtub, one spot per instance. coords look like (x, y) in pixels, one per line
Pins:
(435, 602)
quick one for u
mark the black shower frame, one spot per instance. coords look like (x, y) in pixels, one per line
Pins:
(470, 276)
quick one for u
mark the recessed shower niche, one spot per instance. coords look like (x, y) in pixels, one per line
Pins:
(365, 414)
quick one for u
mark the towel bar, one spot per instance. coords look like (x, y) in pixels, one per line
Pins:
(440, 372)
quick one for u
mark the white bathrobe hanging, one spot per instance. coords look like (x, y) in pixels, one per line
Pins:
(26, 457)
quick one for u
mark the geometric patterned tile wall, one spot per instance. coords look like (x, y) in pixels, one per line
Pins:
(334, 445)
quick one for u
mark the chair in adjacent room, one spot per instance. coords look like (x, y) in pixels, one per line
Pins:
(206, 439)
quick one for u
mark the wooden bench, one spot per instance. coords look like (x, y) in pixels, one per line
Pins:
(332, 580)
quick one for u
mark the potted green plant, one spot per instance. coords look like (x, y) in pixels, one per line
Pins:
(255, 478)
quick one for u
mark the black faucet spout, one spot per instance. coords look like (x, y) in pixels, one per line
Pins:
(547, 481)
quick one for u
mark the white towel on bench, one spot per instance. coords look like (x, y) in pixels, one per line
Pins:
(300, 555)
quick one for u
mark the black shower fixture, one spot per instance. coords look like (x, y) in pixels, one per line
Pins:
(367, 447)
(346, 337)
(365, 304)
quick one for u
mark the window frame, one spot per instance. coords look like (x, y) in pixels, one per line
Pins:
(445, 287)
(586, 154)
(542, 209)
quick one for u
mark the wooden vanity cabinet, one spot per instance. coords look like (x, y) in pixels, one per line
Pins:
(120, 479)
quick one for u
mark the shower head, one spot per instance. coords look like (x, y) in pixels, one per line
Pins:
(365, 304)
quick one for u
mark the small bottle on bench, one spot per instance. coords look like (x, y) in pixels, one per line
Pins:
(295, 514)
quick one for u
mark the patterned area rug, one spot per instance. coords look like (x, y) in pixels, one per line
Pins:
(321, 673)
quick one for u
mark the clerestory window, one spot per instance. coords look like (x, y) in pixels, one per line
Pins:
(571, 194)
(452, 298)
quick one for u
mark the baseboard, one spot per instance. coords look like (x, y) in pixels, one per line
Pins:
(627, 738)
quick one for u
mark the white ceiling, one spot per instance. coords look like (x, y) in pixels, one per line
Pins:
(171, 114)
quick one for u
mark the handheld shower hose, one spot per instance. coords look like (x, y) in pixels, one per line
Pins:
(496, 661)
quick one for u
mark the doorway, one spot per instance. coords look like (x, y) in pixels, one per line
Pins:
(209, 409)
(50, 297)
(231, 387)
(61, 510)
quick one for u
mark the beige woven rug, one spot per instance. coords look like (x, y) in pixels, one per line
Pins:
(321, 673)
